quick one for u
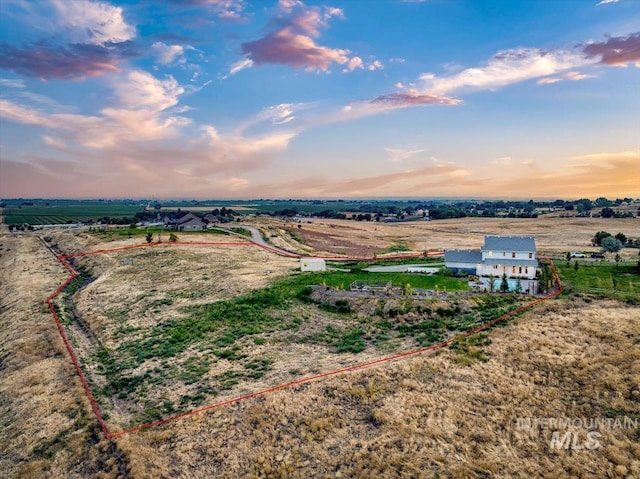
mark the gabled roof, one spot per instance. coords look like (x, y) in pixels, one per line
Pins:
(196, 221)
(463, 256)
(509, 243)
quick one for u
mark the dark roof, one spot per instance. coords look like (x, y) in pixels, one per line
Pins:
(197, 221)
(181, 218)
(462, 256)
(509, 243)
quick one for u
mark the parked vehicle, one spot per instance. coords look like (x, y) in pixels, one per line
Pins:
(597, 255)
(578, 255)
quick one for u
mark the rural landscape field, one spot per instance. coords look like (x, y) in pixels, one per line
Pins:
(319, 239)
(163, 330)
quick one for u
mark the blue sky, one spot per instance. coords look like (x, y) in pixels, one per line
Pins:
(381, 98)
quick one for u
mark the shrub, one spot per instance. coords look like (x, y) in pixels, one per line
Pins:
(611, 244)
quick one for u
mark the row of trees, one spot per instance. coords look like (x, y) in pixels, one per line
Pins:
(613, 244)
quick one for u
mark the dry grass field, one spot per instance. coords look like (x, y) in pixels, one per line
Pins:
(435, 415)
(553, 235)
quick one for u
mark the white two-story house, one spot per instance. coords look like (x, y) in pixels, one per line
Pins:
(513, 256)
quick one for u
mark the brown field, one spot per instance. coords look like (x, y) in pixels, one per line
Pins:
(441, 414)
(553, 235)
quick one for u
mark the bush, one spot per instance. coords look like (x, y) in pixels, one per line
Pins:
(611, 244)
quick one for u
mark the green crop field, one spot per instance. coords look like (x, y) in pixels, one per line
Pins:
(42, 212)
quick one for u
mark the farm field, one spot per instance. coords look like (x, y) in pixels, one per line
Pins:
(451, 413)
(67, 211)
(554, 236)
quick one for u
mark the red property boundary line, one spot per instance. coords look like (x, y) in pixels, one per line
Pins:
(94, 404)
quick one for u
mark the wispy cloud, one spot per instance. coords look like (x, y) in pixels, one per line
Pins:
(240, 65)
(604, 2)
(505, 68)
(170, 54)
(503, 161)
(572, 76)
(396, 155)
(223, 9)
(12, 83)
(140, 114)
(404, 99)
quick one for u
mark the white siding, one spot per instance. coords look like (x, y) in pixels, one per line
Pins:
(508, 255)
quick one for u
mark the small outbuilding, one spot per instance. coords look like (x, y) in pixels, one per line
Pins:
(312, 264)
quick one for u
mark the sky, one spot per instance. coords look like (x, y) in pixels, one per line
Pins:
(338, 99)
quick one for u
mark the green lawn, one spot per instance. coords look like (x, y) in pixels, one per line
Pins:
(384, 262)
(607, 276)
(344, 280)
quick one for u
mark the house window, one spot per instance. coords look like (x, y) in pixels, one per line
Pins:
(530, 255)
(513, 269)
(520, 270)
(504, 253)
(490, 253)
(526, 271)
(513, 255)
(495, 266)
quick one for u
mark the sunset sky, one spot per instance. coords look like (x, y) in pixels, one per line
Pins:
(359, 98)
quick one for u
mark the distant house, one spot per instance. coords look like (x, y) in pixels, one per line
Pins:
(513, 256)
(186, 222)
(312, 264)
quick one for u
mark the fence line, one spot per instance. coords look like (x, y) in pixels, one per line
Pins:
(96, 409)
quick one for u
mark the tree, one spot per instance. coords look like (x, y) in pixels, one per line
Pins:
(173, 237)
(607, 212)
(617, 258)
(568, 256)
(602, 201)
(622, 237)
(149, 237)
(575, 266)
(611, 244)
(584, 204)
(519, 286)
(492, 283)
(504, 284)
(545, 277)
(598, 237)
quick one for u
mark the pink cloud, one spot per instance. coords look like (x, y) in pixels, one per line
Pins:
(616, 51)
(44, 61)
(413, 99)
(292, 40)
